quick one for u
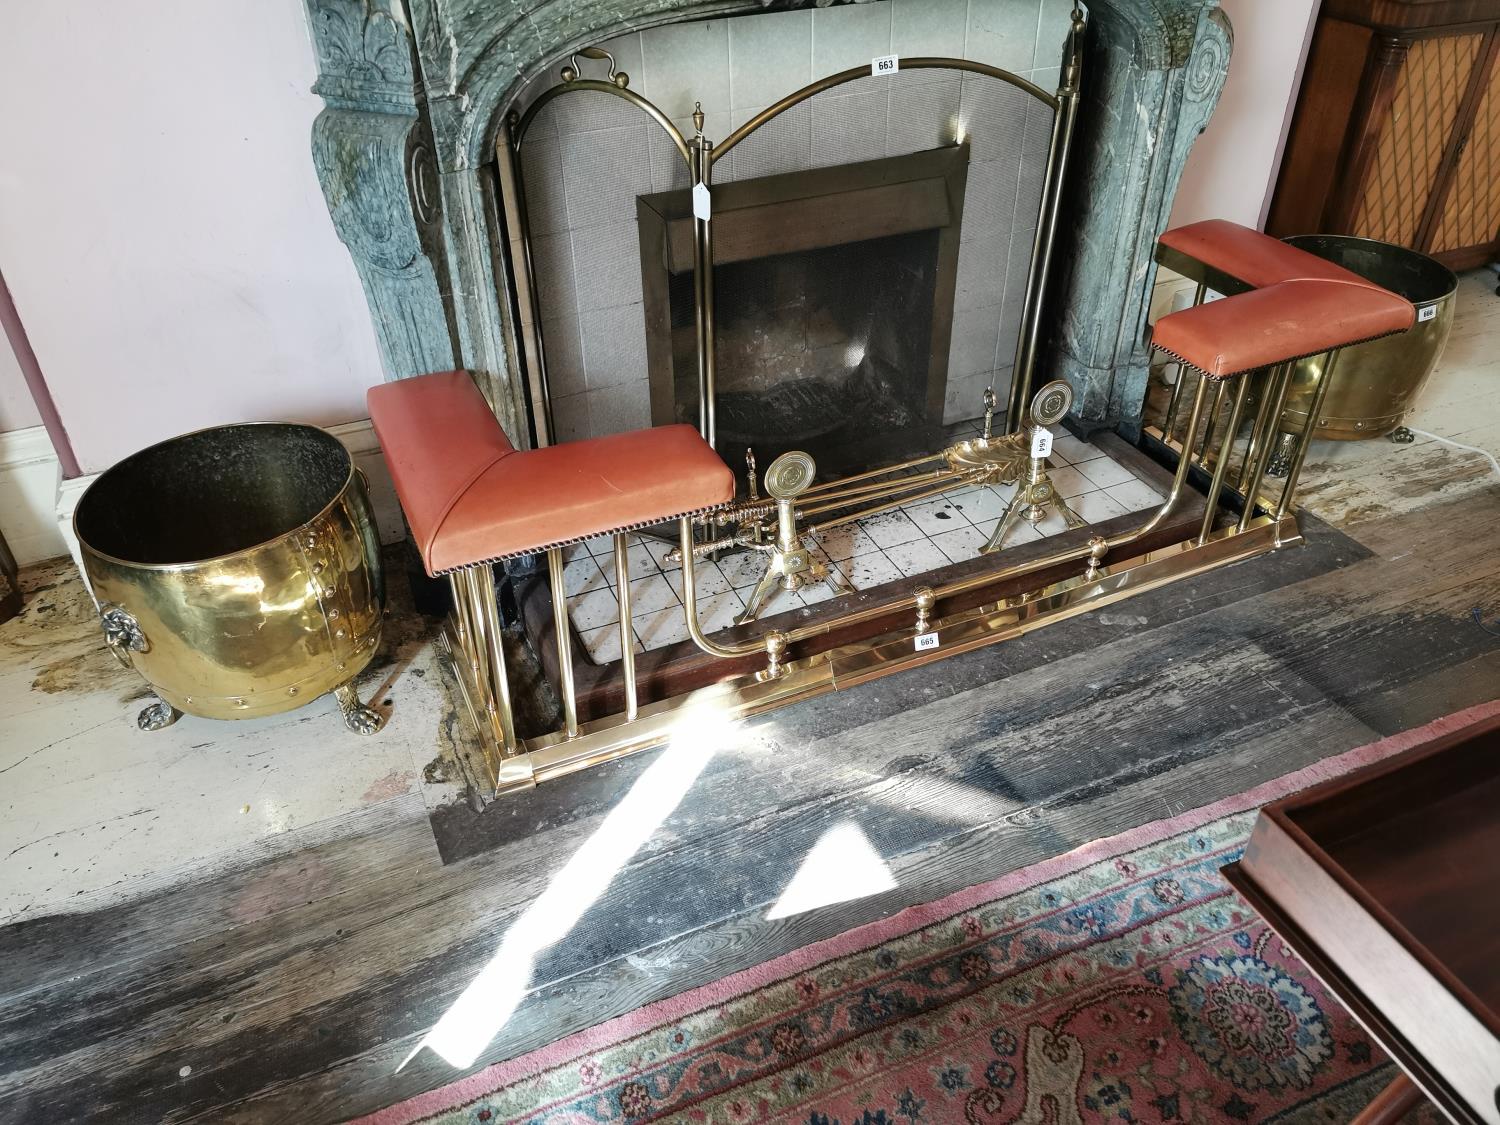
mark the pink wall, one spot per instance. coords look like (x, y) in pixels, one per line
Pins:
(161, 227)
(17, 411)
(171, 255)
(1232, 169)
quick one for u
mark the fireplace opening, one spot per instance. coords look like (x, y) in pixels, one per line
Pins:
(833, 309)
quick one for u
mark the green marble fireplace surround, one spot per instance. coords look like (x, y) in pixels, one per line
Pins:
(415, 91)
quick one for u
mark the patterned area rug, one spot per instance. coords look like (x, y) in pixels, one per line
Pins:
(1122, 982)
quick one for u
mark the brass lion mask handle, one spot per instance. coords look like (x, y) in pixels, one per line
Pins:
(122, 633)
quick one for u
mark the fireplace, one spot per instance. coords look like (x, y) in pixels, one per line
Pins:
(526, 260)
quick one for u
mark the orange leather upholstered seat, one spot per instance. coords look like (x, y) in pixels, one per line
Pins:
(1300, 306)
(470, 497)
(1256, 259)
(1279, 323)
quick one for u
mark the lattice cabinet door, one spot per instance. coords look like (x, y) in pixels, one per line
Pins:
(1469, 214)
(1415, 134)
(1396, 135)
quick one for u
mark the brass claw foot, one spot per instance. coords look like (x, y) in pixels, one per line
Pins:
(357, 717)
(159, 715)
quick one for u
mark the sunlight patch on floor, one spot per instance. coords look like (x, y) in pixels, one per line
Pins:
(842, 866)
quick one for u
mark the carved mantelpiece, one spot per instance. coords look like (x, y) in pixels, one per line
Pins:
(372, 157)
(426, 237)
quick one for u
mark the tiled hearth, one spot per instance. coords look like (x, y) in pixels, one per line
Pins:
(896, 544)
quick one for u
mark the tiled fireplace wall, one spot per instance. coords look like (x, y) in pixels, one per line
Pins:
(588, 272)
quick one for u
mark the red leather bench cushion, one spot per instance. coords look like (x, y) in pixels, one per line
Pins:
(1256, 259)
(1279, 323)
(1302, 305)
(470, 497)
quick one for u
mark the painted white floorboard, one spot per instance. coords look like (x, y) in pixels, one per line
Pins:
(1347, 483)
(93, 808)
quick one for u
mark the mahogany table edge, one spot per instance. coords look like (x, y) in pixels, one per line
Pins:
(1412, 1066)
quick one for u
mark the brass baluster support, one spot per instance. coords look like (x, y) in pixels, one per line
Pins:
(1314, 412)
(1169, 422)
(497, 701)
(1212, 425)
(1221, 465)
(564, 639)
(627, 632)
(1253, 443)
(1276, 391)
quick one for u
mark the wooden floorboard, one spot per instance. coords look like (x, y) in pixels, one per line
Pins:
(294, 989)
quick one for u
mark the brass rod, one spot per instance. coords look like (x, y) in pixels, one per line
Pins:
(1041, 251)
(1221, 466)
(1314, 412)
(479, 653)
(523, 267)
(703, 291)
(502, 715)
(947, 590)
(1179, 479)
(627, 632)
(564, 639)
(832, 80)
(1182, 369)
(460, 626)
(843, 481)
(473, 630)
(1212, 422)
(866, 513)
(578, 84)
(690, 599)
(1169, 416)
(1277, 395)
(1253, 442)
(878, 491)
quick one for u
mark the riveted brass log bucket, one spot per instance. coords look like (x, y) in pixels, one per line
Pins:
(1377, 382)
(238, 570)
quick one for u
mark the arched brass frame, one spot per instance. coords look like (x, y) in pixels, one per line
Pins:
(700, 154)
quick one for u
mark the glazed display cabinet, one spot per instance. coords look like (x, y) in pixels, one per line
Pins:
(1397, 129)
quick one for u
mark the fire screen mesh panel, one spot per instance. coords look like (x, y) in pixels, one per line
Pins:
(587, 156)
(853, 322)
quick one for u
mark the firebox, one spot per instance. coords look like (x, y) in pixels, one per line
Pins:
(834, 294)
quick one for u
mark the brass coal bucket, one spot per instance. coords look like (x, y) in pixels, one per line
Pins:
(237, 569)
(1377, 382)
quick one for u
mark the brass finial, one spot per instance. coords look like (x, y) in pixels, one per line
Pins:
(698, 117)
(750, 472)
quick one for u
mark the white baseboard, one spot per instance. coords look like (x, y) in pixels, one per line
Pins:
(28, 488)
(358, 438)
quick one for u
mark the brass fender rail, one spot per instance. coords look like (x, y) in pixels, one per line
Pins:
(555, 755)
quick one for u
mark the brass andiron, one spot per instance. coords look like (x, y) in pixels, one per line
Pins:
(799, 510)
(1035, 492)
(791, 564)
